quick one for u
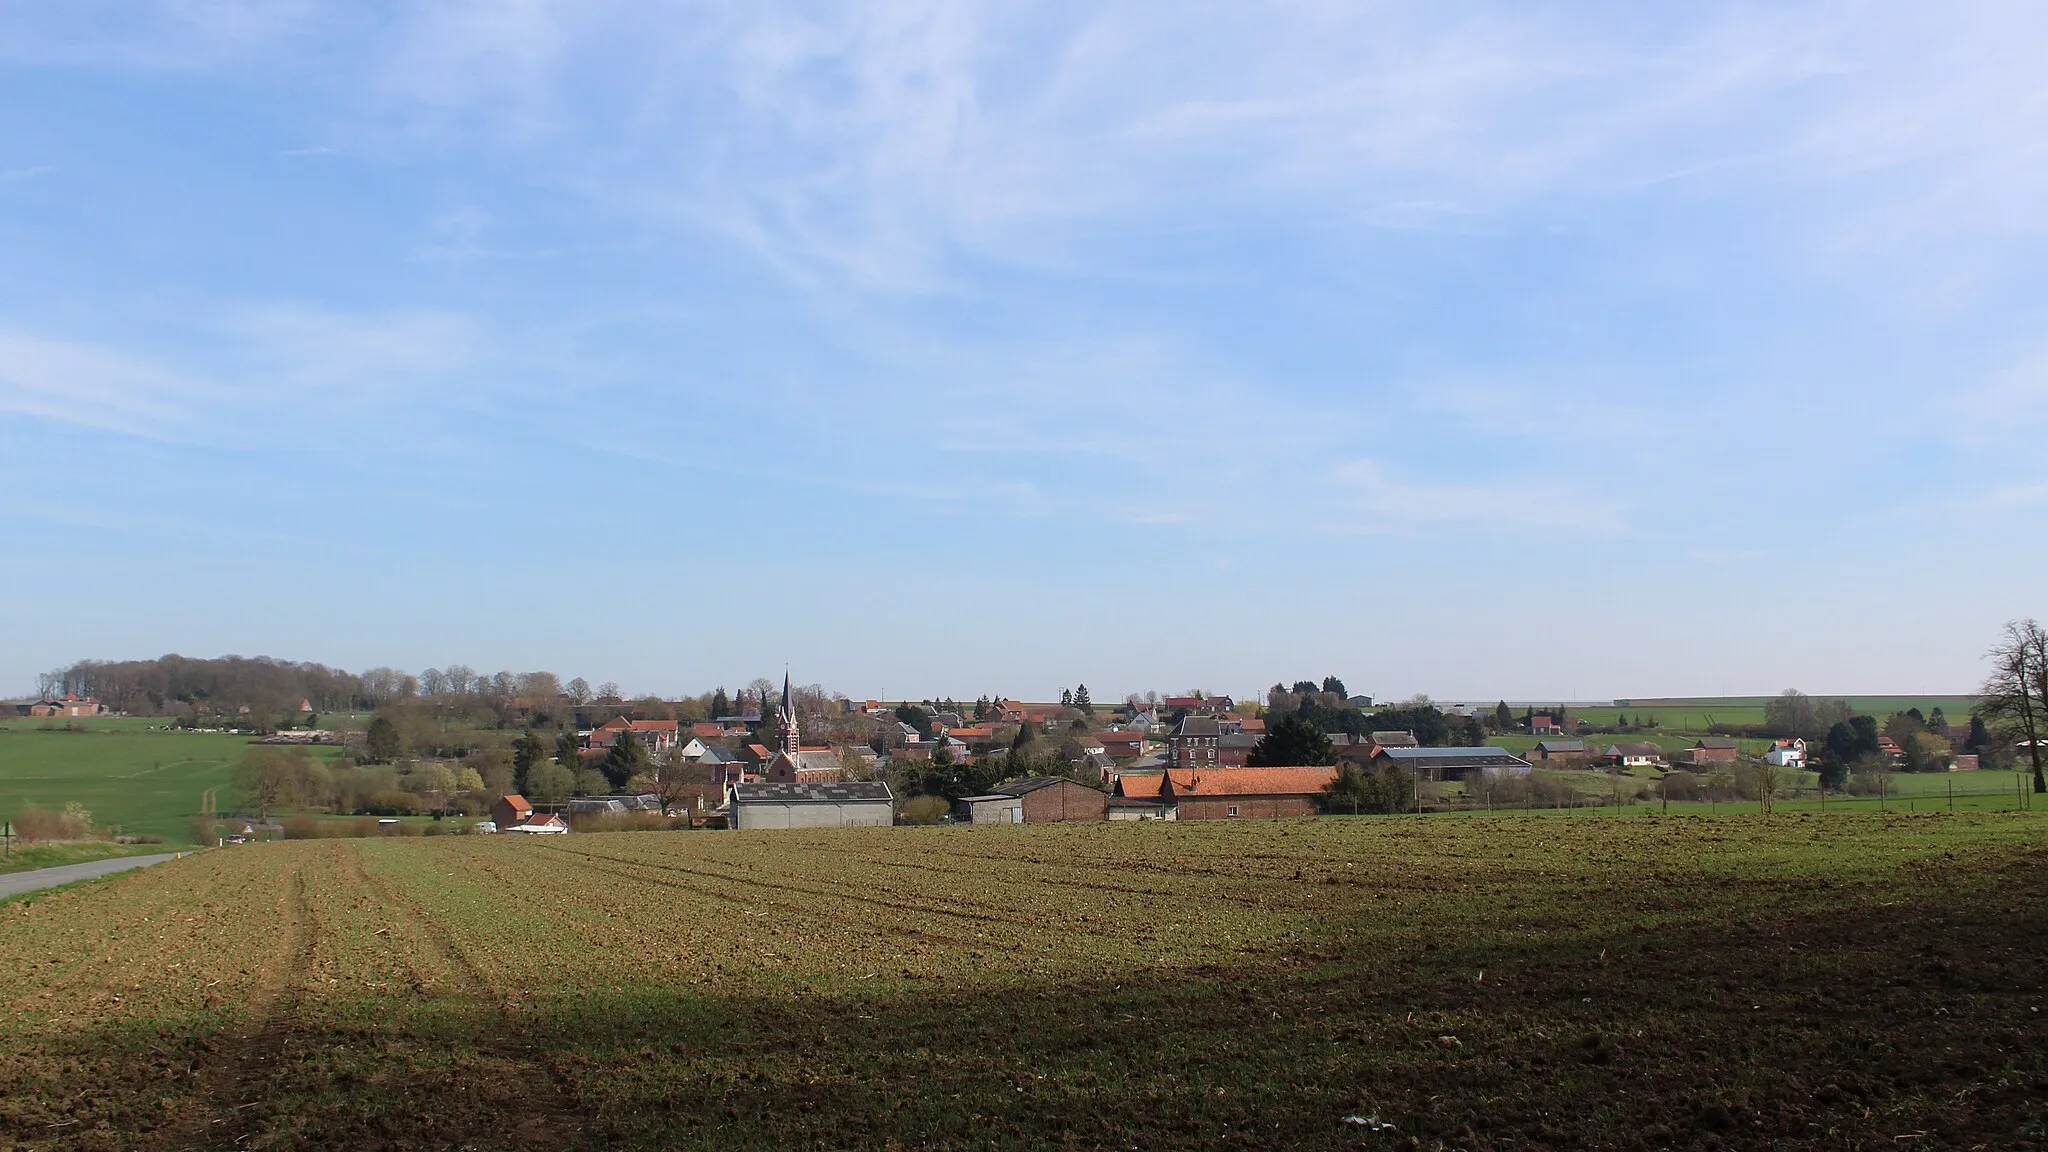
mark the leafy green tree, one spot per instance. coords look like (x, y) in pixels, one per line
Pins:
(527, 751)
(1291, 741)
(549, 783)
(1304, 686)
(1081, 700)
(568, 753)
(1503, 717)
(1979, 740)
(1332, 684)
(917, 718)
(381, 742)
(626, 759)
(1937, 722)
(1026, 733)
(1066, 698)
(721, 704)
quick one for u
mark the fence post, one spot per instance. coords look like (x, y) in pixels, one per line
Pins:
(1951, 795)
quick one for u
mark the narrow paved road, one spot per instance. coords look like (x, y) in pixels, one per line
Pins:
(15, 883)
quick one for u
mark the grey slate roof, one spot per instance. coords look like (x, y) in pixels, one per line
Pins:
(1031, 784)
(1452, 756)
(811, 793)
(814, 761)
(1562, 745)
(1198, 726)
(1394, 739)
(1714, 742)
(1238, 740)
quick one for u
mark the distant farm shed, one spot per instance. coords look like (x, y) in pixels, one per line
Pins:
(857, 804)
(1057, 800)
(995, 808)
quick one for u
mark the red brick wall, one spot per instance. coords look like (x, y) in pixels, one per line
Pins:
(1065, 802)
(1248, 807)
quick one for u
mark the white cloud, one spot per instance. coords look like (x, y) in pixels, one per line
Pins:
(97, 388)
(10, 175)
(265, 363)
(1384, 503)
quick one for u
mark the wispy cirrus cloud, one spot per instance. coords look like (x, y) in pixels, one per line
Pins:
(1383, 502)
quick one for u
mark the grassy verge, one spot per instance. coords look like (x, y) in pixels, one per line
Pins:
(29, 857)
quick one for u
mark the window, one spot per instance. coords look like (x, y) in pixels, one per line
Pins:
(1231, 811)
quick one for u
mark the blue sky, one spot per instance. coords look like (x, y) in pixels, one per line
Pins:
(1476, 350)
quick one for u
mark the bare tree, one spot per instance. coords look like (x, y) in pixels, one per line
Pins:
(2015, 694)
(680, 783)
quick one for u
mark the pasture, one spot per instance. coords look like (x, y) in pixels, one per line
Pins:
(1697, 714)
(127, 776)
(1857, 981)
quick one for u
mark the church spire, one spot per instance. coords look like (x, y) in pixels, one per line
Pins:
(791, 740)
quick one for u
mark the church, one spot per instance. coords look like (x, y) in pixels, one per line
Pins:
(793, 763)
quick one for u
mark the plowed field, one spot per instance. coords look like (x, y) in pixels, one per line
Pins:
(1603, 983)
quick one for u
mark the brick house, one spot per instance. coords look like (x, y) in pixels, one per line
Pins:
(654, 735)
(1712, 750)
(1193, 744)
(507, 811)
(1057, 800)
(1123, 745)
(1244, 793)
(1544, 724)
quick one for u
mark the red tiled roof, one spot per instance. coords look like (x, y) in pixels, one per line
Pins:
(711, 730)
(1250, 781)
(651, 725)
(1140, 785)
(518, 802)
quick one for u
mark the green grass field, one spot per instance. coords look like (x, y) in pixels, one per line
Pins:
(1681, 981)
(1697, 714)
(129, 778)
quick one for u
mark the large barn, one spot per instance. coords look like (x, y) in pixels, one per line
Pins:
(858, 804)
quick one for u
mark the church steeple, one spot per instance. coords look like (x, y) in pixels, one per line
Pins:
(786, 719)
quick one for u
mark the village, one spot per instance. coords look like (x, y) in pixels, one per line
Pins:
(1194, 757)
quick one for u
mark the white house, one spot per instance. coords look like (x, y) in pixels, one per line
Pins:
(1787, 753)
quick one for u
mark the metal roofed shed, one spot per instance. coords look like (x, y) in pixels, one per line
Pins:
(1454, 763)
(853, 804)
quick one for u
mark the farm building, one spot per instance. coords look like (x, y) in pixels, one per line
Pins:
(1711, 750)
(1559, 750)
(509, 810)
(1122, 745)
(995, 808)
(1231, 793)
(1057, 800)
(848, 805)
(1124, 808)
(546, 824)
(1137, 796)
(1452, 763)
(66, 705)
(1639, 754)
(596, 805)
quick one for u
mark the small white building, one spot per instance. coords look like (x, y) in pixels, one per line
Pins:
(992, 809)
(1787, 753)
